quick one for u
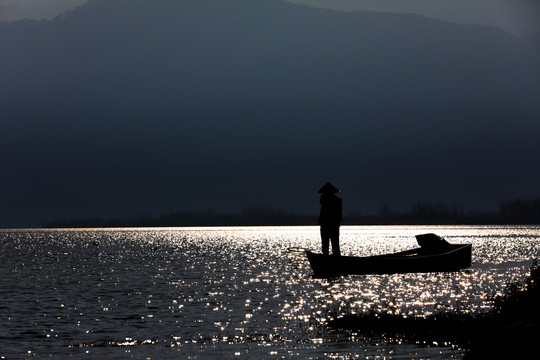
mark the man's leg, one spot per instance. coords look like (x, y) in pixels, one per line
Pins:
(335, 242)
(325, 238)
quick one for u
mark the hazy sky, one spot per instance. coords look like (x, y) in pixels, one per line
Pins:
(520, 17)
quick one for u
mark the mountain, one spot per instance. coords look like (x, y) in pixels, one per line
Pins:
(133, 106)
(12, 10)
(518, 17)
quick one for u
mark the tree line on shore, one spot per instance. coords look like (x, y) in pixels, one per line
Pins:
(510, 212)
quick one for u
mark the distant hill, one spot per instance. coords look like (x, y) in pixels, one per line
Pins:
(127, 105)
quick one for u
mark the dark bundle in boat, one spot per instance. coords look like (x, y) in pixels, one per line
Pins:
(434, 255)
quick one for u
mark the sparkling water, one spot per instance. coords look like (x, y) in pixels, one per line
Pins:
(231, 293)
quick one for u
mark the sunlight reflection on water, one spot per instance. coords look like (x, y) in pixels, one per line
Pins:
(229, 292)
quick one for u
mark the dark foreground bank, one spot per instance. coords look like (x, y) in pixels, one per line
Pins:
(510, 330)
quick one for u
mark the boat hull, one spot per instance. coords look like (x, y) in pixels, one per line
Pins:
(453, 257)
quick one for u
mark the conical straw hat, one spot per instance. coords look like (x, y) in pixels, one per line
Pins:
(328, 189)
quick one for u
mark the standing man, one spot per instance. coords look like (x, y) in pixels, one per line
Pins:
(330, 218)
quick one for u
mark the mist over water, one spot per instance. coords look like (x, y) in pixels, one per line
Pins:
(205, 293)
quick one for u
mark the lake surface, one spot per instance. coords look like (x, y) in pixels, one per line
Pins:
(230, 293)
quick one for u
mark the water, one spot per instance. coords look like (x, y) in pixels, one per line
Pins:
(230, 293)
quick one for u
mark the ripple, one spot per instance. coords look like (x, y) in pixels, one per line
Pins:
(247, 291)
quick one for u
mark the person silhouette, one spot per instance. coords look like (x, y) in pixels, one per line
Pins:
(330, 218)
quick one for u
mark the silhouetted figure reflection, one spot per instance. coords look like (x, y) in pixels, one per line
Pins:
(330, 218)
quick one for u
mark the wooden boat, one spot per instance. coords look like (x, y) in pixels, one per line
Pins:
(434, 255)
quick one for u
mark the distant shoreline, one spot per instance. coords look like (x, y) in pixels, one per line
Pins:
(283, 218)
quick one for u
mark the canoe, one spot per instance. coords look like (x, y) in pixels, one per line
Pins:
(433, 255)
